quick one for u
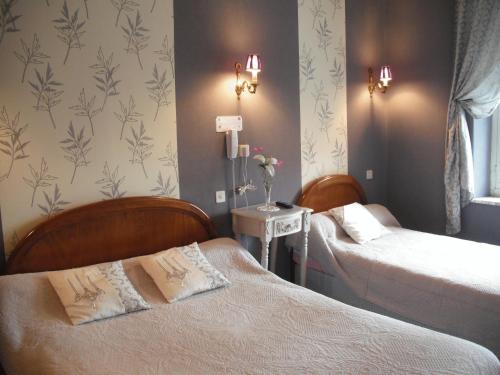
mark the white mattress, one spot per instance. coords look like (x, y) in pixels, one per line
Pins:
(260, 324)
(446, 283)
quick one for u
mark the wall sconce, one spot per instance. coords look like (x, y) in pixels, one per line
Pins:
(383, 83)
(254, 65)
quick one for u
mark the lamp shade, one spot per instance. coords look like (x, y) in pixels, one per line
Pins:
(253, 63)
(385, 75)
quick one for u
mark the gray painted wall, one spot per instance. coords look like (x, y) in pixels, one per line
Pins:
(481, 222)
(366, 121)
(209, 38)
(271, 118)
(418, 45)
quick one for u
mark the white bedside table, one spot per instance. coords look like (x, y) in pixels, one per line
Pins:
(269, 226)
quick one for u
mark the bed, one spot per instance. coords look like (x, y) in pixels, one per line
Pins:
(444, 283)
(259, 324)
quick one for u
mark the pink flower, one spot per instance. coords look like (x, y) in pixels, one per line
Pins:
(280, 163)
(258, 149)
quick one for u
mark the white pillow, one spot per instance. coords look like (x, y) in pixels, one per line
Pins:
(96, 292)
(181, 272)
(358, 222)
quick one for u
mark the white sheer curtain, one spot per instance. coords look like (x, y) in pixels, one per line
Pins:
(475, 89)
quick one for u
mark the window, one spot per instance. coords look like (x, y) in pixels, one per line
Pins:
(495, 155)
(485, 137)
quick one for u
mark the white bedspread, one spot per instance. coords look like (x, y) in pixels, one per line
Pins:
(260, 324)
(446, 283)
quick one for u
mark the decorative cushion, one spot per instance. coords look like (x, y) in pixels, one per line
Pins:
(358, 222)
(181, 272)
(96, 292)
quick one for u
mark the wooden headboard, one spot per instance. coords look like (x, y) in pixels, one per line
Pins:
(110, 230)
(331, 191)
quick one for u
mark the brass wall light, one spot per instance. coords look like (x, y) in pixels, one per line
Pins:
(383, 83)
(254, 65)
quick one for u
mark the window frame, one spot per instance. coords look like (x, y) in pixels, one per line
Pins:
(495, 155)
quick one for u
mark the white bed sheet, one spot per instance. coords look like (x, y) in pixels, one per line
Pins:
(260, 324)
(449, 284)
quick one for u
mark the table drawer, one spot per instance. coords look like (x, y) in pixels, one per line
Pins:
(285, 226)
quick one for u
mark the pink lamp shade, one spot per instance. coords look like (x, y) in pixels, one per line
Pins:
(385, 75)
(253, 63)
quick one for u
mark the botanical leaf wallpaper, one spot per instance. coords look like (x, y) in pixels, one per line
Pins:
(323, 102)
(87, 106)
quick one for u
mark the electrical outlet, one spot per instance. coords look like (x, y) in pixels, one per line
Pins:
(369, 174)
(220, 196)
(244, 151)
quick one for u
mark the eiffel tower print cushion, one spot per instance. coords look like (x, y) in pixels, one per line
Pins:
(96, 292)
(181, 272)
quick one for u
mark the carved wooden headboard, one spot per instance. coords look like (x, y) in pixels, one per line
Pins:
(331, 191)
(110, 230)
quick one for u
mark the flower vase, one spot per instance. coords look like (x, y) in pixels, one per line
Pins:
(268, 207)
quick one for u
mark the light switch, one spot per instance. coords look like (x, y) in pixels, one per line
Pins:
(369, 174)
(220, 196)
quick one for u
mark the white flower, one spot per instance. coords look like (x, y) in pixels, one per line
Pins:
(260, 158)
(270, 170)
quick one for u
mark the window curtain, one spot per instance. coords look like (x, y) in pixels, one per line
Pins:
(476, 90)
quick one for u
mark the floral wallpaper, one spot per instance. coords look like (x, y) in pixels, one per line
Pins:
(87, 106)
(323, 103)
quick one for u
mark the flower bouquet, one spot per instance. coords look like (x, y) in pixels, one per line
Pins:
(268, 165)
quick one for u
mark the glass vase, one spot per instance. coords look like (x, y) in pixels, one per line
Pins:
(268, 207)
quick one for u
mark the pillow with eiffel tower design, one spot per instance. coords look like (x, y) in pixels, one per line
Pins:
(96, 292)
(181, 272)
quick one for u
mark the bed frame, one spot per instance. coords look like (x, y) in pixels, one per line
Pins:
(331, 191)
(110, 230)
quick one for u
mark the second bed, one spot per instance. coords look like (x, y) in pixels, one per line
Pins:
(444, 283)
